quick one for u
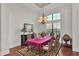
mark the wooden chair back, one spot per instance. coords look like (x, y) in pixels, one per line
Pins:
(50, 44)
(56, 40)
(29, 36)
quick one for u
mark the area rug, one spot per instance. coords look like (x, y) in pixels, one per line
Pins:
(26, 52)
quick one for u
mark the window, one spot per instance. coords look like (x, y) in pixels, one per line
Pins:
(56, 23)
(56, 16)
(49, 27)
(56, 28)
(49, 17)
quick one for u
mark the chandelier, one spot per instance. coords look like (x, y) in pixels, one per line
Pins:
(43, 18)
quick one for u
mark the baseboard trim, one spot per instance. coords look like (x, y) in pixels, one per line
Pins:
(4, 52)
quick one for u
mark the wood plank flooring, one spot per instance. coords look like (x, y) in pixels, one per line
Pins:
(64, 51)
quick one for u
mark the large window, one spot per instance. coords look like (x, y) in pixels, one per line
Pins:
(49, 17)
(56, 16)
(49, 27)
(56, 28)
(55, 20)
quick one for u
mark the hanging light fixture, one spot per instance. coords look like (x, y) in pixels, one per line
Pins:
(43, 18)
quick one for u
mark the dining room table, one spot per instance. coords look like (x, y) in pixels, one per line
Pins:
(38, 42)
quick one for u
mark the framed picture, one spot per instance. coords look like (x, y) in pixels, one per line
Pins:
(28, 27)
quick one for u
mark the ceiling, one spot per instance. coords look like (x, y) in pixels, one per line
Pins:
(41, 4)
(48, 7)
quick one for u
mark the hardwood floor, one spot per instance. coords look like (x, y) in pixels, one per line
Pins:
(64, 51)
(13, 51)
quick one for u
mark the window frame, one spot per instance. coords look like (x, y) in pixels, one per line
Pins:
(55, 21)
(52, 16)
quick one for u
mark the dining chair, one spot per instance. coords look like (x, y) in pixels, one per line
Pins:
(49, 45)
(47, 48)
(56, 43)
(29, 36)
(52, 45)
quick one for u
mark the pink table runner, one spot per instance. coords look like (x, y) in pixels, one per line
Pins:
(38, 42)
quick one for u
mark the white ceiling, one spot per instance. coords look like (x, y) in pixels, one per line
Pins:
(40, 5)
(48, 8)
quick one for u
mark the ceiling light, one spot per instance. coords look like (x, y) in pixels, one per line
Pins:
(42, 18)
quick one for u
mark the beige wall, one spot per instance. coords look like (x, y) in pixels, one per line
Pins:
(75, 24)
(0, 27)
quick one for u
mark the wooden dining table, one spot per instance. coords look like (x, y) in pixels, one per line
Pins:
(38, 42)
